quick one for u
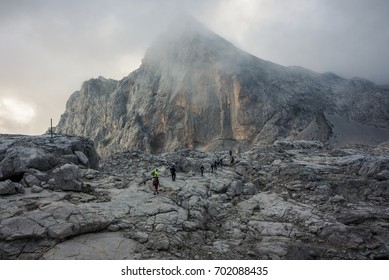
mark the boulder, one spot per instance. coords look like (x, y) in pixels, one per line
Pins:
(243, 168)
(37, 155)
(384, 175)
(31, 180)
(67, 178)
(36, 189)
(18, 159)
(9, 187)
(82, 158)
(219, 186)
(370, 168)
(236, 188)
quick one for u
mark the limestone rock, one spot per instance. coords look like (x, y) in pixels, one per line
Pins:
(36, 189)
(18, 159)
(17, 227)
(295, 200)
(82, 158)
(9, 187)
(31, 180)
(67, 178)
(384, 175)
(206, 93)
(94, 246)
(20, 154)
(30, 161)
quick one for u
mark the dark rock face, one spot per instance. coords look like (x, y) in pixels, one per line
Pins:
(289, 200)
(196, 90)
(31, 159)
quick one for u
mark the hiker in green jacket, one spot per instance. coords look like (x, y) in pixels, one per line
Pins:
(155, 181)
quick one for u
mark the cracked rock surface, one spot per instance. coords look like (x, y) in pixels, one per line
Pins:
(289, 200)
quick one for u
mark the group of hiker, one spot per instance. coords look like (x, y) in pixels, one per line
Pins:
(214, 165)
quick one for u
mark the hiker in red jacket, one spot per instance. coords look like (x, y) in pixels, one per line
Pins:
(156, 184)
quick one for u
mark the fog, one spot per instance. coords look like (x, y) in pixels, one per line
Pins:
(48, 48)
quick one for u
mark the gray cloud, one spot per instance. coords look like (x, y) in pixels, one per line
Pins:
(50, 47)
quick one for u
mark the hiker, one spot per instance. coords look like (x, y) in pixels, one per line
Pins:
(212, 167)
(202, 170)
(221, 162)
(155, 180)
(230, 152)
(215, 165)
(156, 185)
(173, 172)
(232, 160)
(155, 173)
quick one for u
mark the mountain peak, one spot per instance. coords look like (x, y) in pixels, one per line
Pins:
(185, 23)
(195, 89)
(187, 41)
(183, 27)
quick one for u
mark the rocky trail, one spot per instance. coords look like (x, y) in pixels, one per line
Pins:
(288, 200)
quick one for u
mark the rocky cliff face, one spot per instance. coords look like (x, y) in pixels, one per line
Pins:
(195, 89)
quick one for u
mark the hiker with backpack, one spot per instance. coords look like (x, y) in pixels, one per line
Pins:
(155, 181)
(173, 172)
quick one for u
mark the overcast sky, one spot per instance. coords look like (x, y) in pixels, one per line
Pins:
(48, 47)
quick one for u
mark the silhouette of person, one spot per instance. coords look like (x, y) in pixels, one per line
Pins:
(173, 172)
(232, 160)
